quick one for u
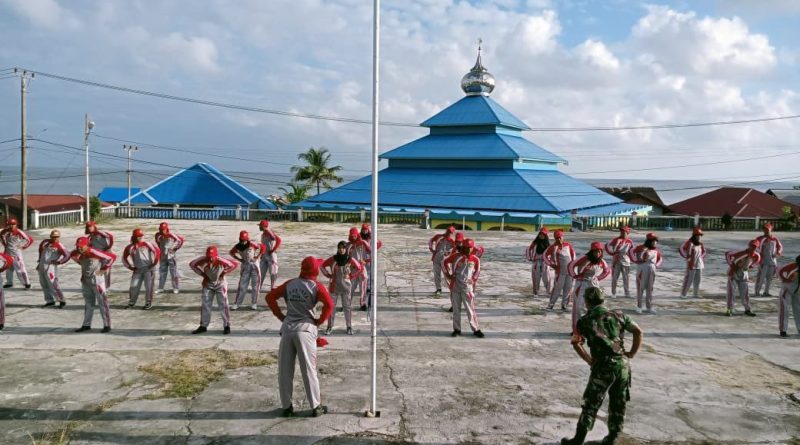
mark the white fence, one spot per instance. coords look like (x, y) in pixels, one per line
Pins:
(56, 219)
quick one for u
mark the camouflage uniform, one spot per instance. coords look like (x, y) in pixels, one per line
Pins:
(604, 332)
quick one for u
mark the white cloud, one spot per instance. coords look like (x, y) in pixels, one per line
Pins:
(596, 53)
(537, 34)
(45, 13)
(193, 52)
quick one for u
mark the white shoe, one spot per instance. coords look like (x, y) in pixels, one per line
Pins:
(158, 291)
(234, 307)
(683, 297)
(176, 291)
(613, 295)
(328, 331)
(638, 310)
(254, 307)
(652, 310)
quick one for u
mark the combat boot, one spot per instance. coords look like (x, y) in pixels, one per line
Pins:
(580, 436)
(611, 439)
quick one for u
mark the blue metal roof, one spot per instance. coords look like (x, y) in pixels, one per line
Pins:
(116, 194)
(502, 190)
(475, 110)
(472, 146)
(202, 185)
(614, 209)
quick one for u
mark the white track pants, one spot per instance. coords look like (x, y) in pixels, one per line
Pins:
(94, 294)
(562, 286)
(645, 279)
(358, 289)
(169, 267)
(740, 286)
(48, 279)
(438, 270)
(540, 274)
(298, 346)
(691, 280)
(619, 270)
(249, 281)
(18, 267)
(578, 303)
(465, 297)
(207, 297)
(789, 298)
(269, 267)
(138, 278)
(764, 278)
(348, 311)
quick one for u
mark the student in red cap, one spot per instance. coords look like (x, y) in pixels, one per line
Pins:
(462, 271)
(341, 269)
(299, 331)
(649, 259)
(213, 269)
(141, 258)
(51, 255)
(102, 241)
(541, 274)
(6, 262)
(366, 235)
(269, 260)
(14, 242)
(790, 296)
(770, 248)
(618, 248)
(248, 254)
(440, 245)
(359, 249)
(168, 243)
(587, 271)
(558, 257)
(94, 264)
(694, 252)
(740, 264)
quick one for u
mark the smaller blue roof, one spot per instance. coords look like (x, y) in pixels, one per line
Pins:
(475, 110)
(201, 185)
(481, 146)
(116, 194)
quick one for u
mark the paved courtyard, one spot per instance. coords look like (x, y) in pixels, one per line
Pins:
(700, 378)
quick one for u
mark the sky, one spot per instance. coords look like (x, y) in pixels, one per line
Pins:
(557, 64)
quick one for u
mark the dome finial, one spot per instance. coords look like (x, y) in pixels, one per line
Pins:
(478, 81)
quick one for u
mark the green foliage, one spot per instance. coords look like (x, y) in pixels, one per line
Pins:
(94, 207)
(295, 193)
(316, 171)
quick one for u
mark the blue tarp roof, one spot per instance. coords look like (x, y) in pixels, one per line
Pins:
(472, 146)
(202, 185)
(501, 190)
(116, 194)
(475, 110)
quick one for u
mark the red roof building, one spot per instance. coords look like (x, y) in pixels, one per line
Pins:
(735, 201)
(10, 204)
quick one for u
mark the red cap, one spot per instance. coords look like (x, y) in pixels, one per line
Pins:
(264, 224)
(91, 224)
(768, 226)
(558, 233)
(137, 233)
(354, 234)
(469, 242)
(597, 245)
(322, 342)
(543, 230)
(163, 227)
(651, 236)
(244, 236)
(366, 227)
(460, 236)
(12, 222)
(697, 231)
(82, 242)
(625, 229)
(451, 229)
(754, 243)
(309, 268)
(212, 252)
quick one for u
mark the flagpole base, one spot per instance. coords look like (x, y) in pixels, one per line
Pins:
(372, 414)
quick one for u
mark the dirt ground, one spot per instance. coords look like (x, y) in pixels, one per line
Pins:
(701, 377)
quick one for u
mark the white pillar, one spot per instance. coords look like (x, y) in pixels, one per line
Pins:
(758, 222)
(80, 219)
(35, 219)
(363, 215)
(238, 213)
(300, 214)
(175, 211)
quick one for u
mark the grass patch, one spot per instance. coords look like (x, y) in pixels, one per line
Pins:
(61, 436)
(190, 372)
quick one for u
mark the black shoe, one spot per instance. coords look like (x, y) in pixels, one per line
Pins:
(83, 329)
(7, 285)
(288, 412)
(783, 333)
(363, 307)
(27, 286)
(610, 439)
(349, 331)
(318, 411)
(129, 306)
(147, 307)
(226, 330)
(62, 304)
(451, 309)
(750, 313)
(52, 303)
(106, 329)
(199, 330)
(580, 436)
(478, 334)
(455, 333)
(1, 327)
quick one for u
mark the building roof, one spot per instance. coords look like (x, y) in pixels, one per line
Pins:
(117, 194)
(200, 185)
(627, 194)
(735, 201)
(792, 196)
(48, 203)
(500, 189)
(472, 146)
(475, 110)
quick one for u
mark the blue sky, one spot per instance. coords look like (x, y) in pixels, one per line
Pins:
(557, 64)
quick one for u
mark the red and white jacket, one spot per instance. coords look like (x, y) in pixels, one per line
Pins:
(168, 243)
(341, 276)
(440, 245)
(559, 257)
(144, 255)
(271, 241)
(213, 271)
(250, 253)
(788, 273)
(643, 255)
(584, 270)
(462, 271)
(740, 262)
(770, 248)
(694, 254)
(618, 248)
(92, 261)
(6, 261)
(51, 253)
(360, 250)
(14, 240)
(101, 240)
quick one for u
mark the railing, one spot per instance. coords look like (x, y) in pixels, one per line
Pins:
(56, 219)
(681, 223)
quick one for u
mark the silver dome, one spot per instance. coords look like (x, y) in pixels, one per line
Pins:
(478, 81)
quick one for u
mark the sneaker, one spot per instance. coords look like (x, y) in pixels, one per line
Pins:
(254, 307)
(349, 331)
(767, 294)
(478, 334)
(147, 306)
(319, 410)
(363, 307)
(106, 329)
(176, 291)
(83, 329)
(288, 412)
(438, 292)
(62, 304)
(234, 307)
(7, 285)
(158, 291)
(683, 297)
(613, 295)
(226, 330)
(549, 308)
(51, 303)
(729, 312)
(757, 294)
(652, 310)
(1, 327)
(783, 333)
(200, 330)
(455, 333)
(750, 313)
(27, 286)
(638, 310)
(451, 309)
(328, 331)
(564, 308)
(129, 306)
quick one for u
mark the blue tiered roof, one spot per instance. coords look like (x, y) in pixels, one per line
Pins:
(475, 159)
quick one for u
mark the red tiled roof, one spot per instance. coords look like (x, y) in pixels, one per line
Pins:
(735, 201)
(47, 203)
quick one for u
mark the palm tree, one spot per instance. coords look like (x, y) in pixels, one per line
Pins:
(295, 193)
(316, 171)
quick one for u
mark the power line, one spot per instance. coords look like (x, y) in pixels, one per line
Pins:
(10, 140)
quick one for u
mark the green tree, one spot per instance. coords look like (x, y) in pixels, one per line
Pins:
(295, 193)
(94, 207)
(316, 171)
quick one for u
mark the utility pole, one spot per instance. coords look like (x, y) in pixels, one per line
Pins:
(129, 149)
(87, 129)
(24, 78)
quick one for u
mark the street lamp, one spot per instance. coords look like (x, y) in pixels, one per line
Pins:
(87, 129)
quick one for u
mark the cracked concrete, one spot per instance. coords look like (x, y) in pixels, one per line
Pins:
(701, 377)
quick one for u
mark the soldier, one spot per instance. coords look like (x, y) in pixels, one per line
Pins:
(269, 260)
(248, 253)
(141, 257)
(51, 255)
(790, 296)
(93, 263)
(604, 331)
(213, 269)
(695, 252)
(6, 262)
(168, 243)
(440, 246)
(100, 240)
(299, 331)
(341, 269)
(618, 248)
(540, 271)
(14, 242)
(558, 256)
(769, 249)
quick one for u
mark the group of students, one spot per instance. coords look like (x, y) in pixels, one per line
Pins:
(557, 271)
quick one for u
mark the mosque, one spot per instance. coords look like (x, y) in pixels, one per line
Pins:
(475, 167)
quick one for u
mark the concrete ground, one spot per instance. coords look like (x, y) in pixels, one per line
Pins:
(701, 377)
